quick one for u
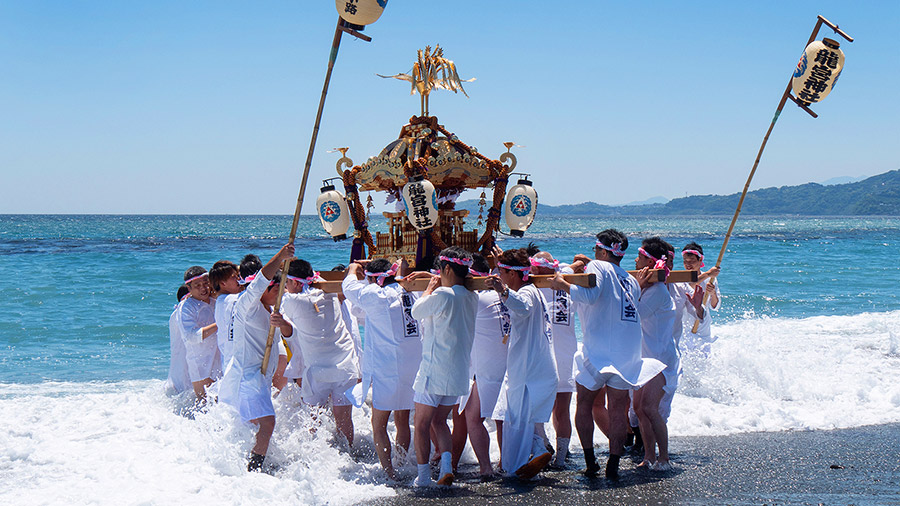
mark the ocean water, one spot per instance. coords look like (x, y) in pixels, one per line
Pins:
(809, 338)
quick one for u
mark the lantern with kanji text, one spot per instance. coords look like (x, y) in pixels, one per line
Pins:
(333, 211)
(420, 199)
(818, 71)
(360, 12)
(521, 205)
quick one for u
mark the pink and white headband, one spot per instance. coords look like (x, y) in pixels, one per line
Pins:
(381, 276)
(615, 249)
(543, 262)
(694, 252)
(195, 278)
(306, 281)
(660, 262)
(247, 280)
(478, 273)
(459, 261)
(526, 271)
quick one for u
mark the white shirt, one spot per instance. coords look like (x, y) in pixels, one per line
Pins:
(195, 315)
(491, 343)
(393, 346)
(325, 343)
(179, 379)
(223, 315)
(562, 323)
(611, 324)
(531, 363)
(448, 320)
(657, 310)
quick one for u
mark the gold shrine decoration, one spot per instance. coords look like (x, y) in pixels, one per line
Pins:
(432, 71)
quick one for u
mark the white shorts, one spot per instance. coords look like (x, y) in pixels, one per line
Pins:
(203, 360)
(435, 400)
(317, 394)
(589, 377)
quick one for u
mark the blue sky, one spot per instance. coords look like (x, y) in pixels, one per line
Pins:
(207, 107)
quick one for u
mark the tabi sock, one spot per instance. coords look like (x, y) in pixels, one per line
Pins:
(255, 462)
(562, 451)
(537, 446)
(446, 463)
(612, 467)
(424, 474)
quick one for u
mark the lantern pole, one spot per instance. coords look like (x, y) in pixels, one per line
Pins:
(335, 44)
(784, 98)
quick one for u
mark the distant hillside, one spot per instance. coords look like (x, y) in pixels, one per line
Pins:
(877, 195)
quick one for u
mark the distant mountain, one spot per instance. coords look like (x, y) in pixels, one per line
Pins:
(652, 200)
(876, 195)
(843, 180)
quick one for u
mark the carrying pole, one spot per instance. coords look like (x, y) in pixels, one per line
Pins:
(784, 98)
(336, 43)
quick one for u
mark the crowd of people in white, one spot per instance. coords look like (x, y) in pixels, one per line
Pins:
(509, 354)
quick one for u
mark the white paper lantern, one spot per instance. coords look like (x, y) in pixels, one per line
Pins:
(333, 212)
(420, 200)
(360, 12)
(818, 71)
(521, 204)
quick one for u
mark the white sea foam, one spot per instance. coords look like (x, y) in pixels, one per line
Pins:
(126, 443)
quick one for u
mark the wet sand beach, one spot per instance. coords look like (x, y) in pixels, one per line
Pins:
(847, 466)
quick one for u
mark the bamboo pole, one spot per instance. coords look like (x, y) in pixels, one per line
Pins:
(784, 98)
(335, 44)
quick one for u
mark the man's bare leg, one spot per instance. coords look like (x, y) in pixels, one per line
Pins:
(263, 436)
(584, 425)
(382, 440)
(601, 414)
(478, 434)
(458, 436)
(562, 423)
(343, 420)
(653, 426)
(617, 401)
(401, 423)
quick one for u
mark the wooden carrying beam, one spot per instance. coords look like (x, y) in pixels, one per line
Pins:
(332, 283)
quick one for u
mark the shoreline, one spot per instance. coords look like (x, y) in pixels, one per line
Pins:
(841, 466)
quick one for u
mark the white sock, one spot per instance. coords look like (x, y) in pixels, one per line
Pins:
(446, 466)
(562, 450)
(424, 474)
(537, 446)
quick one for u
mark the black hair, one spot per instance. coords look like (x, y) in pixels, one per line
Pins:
(193, 272)
(612, 236)
(220, 271)
(182, 291)
(516, 258)
(655, 246)
(339, 268)
(276, 280)
(250, 265)
(300, 268)
(532, 249)
(479, 263)
(456, 252)
(694, 246)
(381, 265)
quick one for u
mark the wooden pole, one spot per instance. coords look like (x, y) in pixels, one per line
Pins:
(784, 98)
(335, 44)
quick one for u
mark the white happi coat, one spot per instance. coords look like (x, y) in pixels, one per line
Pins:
(324, 341)
(179, 378)
(679, 296)
(657, 310)
(489, 350)
(702, 340)
(562, 323)
(351, 315)
(243, 385)
(611, 326)
(448, 327)
(393, 346)
(529, 388)
(224, 337)
(202, 354)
